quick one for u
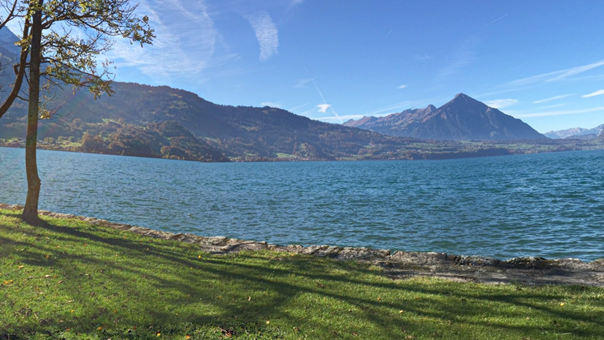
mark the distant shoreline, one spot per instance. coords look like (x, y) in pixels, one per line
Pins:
(479, 153)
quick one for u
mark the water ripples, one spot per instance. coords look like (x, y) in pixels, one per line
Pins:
(549, 205)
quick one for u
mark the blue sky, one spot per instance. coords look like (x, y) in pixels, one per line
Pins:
(541, 61)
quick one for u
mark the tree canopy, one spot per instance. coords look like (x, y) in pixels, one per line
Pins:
(60, 43)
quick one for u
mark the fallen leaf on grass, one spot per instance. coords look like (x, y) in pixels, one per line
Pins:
(227, 332)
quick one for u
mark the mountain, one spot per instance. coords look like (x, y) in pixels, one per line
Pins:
(160, 121)
(463, 118)
(578, 133)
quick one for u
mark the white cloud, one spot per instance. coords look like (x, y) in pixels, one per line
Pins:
(271, 104)
(577, 70)
(266, 33)
(402, 86)
(323, 107)
(555, 113)
(419, 57)
(501, 103)
(552, 106)
(302, 82)
(551, 99)
(556, 75)
(173, 55)
(597, 93)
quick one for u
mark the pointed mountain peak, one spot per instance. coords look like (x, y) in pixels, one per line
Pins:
(431, 108)
(463, 99)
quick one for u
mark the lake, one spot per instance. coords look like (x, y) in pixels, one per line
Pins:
(549, 205)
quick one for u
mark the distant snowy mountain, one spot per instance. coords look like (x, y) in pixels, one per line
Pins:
(578, 133)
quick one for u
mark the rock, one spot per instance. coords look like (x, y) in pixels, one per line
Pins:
(216, 241)
(397, 265)
(476, 261)
(529, 262)
(420, 259)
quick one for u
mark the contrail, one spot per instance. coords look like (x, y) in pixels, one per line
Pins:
(388, 33)
(494, 21)
(337, 115)
(325, 101)
(320, 94)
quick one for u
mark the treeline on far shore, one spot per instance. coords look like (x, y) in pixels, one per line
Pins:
(171, 140)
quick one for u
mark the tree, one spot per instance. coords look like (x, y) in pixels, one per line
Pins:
(69, 59)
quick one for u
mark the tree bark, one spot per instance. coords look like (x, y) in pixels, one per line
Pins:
(30, 212)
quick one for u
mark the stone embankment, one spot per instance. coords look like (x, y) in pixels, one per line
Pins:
(397, 264)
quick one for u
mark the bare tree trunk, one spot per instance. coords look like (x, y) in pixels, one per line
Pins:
(30, 212)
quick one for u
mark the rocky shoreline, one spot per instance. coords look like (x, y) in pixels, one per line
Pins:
(397, 264)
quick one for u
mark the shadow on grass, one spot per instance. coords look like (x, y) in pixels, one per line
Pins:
(69, 275)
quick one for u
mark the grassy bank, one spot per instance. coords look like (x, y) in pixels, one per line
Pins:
(68, 279)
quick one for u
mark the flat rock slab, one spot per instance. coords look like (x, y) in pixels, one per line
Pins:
(396, 264)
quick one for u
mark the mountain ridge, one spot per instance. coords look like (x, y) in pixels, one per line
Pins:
(160, 121)
(462, 118)
(577, 132)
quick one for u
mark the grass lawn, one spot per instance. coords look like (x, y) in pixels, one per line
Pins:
(71, 280)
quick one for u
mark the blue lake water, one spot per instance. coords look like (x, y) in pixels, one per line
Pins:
(549, 205)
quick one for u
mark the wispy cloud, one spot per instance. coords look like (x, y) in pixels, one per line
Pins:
(323, 107)
(338, 119)
(302, 82)
(552, 106)
(404, 86)
(463, 56)
(555, 113)
(577, 70)
(173, 55)
(556, 75)
(420, 57)
(593, 94)
(501, 103)
(298, 107)
(271, 104)
(388, 109)
(266, 33)
(540, 101)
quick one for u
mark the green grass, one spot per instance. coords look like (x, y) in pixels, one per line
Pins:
(69, 280)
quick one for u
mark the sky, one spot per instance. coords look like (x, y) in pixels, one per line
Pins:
(540, 61)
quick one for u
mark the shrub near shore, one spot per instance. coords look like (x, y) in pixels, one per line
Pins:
(70, 279)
